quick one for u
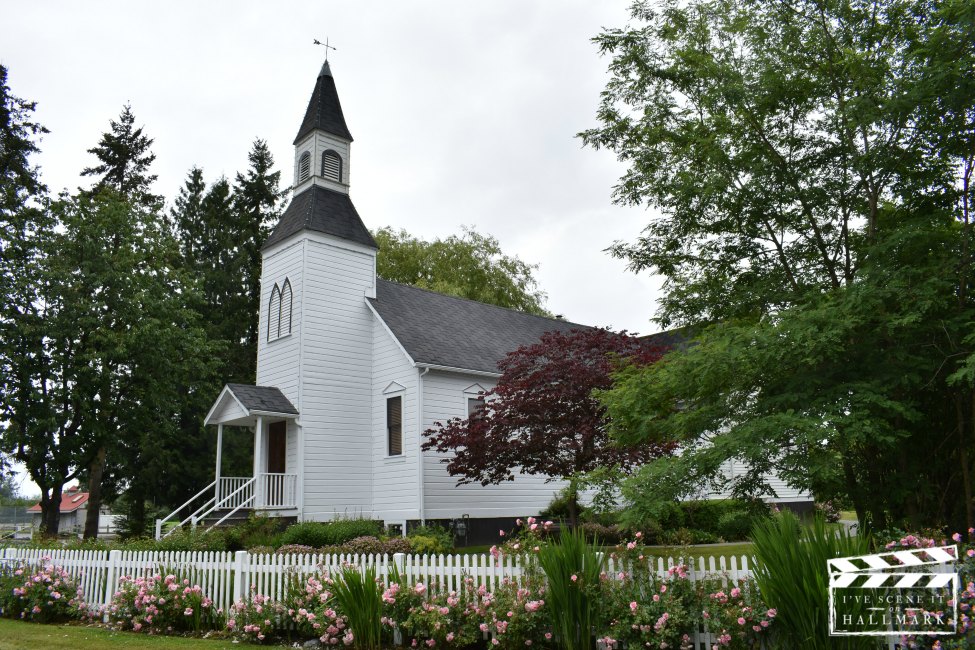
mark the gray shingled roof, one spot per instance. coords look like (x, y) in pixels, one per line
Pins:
(324, 110)
(447, 331)
(262, 398)
(323, 210)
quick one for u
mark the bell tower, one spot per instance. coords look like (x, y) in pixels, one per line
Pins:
(323, 143)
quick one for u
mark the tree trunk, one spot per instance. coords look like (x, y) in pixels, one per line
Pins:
(966, 478)
(573, 504)
(95, 473)
(51, 512)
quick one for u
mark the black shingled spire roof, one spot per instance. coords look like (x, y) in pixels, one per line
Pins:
(324, 110)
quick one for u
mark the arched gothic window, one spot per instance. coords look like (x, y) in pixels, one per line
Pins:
(273, 313)
(332, 166)
(304, 167)
(284, 321)
(279, 310)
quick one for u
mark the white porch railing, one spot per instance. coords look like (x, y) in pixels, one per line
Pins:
(279, 490)
(231, 494)
(229, 491)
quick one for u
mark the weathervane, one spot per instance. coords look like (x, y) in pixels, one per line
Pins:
(325, 45)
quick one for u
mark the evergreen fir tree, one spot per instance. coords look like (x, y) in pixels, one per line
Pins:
(125, 156)
(257, 200)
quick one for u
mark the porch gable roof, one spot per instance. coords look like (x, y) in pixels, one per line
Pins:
(239, 403)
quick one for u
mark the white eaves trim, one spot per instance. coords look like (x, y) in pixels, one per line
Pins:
(390, 332)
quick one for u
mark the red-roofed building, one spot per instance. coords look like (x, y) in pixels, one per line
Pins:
(74, 511)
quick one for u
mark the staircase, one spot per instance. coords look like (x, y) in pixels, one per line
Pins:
(231, 499)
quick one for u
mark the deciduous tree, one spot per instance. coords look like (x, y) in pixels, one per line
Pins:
(810, 165)
(472, 266)
(542, 417)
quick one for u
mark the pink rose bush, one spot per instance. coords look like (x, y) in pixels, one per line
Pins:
(257, 618)
(158, 604)
(644, 610)
(965, 566)
(45, 594)
(308, 611)
(431, 615)
(736, 615)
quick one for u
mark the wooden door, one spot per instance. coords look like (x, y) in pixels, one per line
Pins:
(277, 447)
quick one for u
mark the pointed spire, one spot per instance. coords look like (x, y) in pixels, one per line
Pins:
(324, 110)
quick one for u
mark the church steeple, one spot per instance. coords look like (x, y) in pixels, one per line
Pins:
(321, 183)
(324, 141)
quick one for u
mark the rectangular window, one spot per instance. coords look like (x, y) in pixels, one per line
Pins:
(474, 405)
(394, 425)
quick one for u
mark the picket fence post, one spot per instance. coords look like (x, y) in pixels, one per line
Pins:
(241, 559)
(114, 562)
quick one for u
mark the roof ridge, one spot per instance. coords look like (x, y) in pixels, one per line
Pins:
(478, 302)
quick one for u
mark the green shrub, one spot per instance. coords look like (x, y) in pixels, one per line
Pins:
(330, 533)
(426, 540)
(424, 545)
(734, 526)
(187, 539)
(257, 530)
(306, 533)
(606, 534)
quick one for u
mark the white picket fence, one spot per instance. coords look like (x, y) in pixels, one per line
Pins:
(228, 577)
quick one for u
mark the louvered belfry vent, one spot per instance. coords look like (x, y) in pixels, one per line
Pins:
(304, 167)
(332, 166)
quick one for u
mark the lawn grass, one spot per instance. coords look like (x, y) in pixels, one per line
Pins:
(18, 635)
(706, 550)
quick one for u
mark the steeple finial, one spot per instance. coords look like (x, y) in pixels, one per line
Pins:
(326, 46)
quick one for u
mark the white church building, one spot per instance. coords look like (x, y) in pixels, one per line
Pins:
(352, 369)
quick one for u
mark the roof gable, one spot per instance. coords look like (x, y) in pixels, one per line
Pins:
(70, 501)
(237, 403)
(440, 330)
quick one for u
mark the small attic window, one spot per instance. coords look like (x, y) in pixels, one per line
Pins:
(332, 166)
(304, 167)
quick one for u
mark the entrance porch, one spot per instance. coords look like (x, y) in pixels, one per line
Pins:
(271, 488)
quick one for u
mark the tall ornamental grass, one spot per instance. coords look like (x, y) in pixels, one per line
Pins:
(793, 578)
(572, 568)
(360, 598)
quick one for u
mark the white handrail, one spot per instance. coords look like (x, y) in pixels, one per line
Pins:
(191, 500)
(239, 506)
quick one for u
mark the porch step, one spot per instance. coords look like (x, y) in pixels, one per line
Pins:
(241, 516)
(238, 517)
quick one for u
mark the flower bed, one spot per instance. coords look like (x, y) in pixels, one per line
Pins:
(619, 593)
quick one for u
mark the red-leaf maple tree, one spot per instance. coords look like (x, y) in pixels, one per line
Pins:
(542, 417)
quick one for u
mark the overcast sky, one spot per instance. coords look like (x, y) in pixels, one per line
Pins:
(463, 113)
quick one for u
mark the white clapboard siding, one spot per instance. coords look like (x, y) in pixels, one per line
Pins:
(277, 360)
(444, 398)
(395, 478)
(337, 378)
